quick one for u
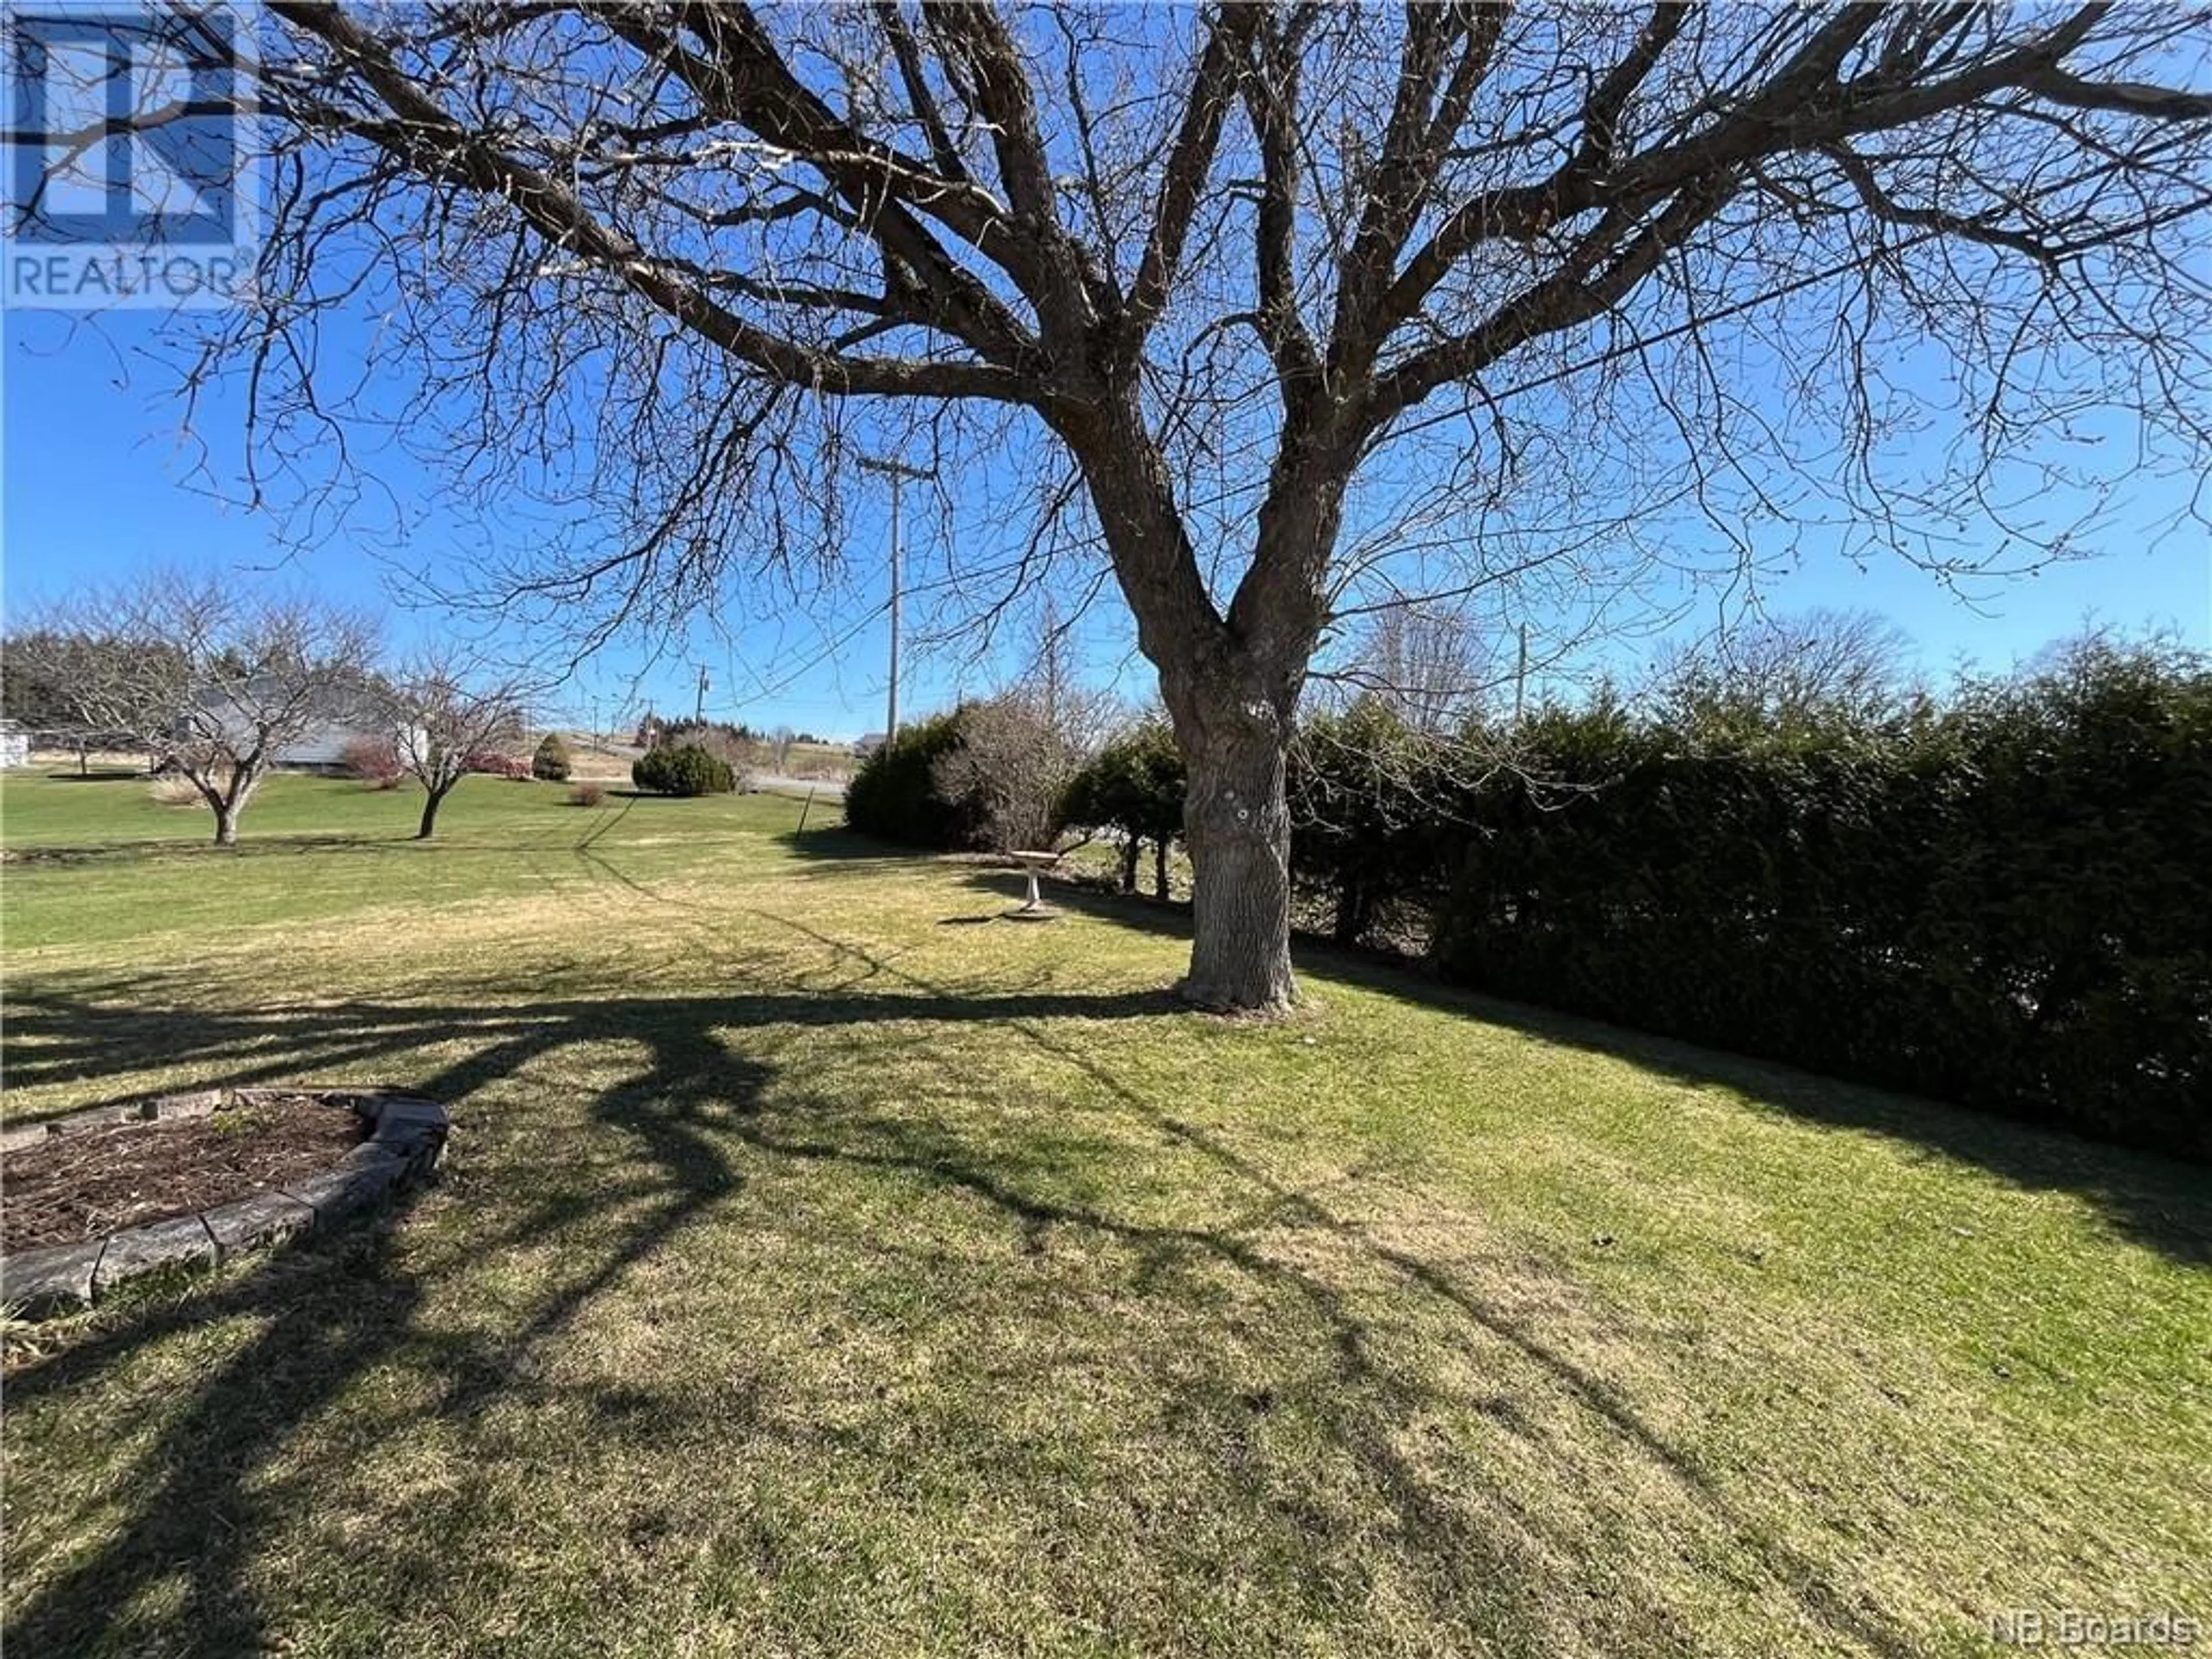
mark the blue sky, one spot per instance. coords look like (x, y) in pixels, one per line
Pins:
(98, 482)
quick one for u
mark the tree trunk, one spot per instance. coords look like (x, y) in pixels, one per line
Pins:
(1132, 848)
(1351, 909)
(1232, 680)
(229, 799)
(1160, 868)
(1238, 827)
(431, 801)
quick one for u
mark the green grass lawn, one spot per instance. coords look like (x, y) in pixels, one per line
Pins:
(821, 1267)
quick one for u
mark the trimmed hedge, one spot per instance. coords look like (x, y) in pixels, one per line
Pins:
(1370, 808)
(683, 769)
(2003, 902)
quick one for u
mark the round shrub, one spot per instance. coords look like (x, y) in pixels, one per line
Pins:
(551, 762)
(683, 769)
(895, 794)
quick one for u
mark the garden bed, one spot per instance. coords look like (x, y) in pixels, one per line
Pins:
(98, 1198)
(70, 1187)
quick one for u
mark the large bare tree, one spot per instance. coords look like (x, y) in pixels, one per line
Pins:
(212, 679)
(1255, 299)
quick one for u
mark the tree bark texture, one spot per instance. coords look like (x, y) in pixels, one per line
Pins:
(1237, 827)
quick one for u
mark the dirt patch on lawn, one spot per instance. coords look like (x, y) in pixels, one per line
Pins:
(89, 1182)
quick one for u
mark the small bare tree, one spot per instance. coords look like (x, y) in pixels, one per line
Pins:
(41, 677)
(1082, 716)
(213, 680)
(1007, 772)
(442, 712)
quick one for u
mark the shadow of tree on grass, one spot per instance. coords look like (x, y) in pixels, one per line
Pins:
(2157, 1201)
(202, 1502)
(326, 1315)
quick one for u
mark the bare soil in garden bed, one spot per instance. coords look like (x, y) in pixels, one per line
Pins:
(86, 1183)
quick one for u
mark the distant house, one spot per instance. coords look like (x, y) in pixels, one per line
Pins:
(868, 745)
(335, 718)
(14, 744)
(322, 747)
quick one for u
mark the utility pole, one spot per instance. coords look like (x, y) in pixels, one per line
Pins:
(898, 473)
(699, 708)
(1049, 661)
(1521, 676)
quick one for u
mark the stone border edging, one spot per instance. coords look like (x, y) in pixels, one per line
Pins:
(407, 1137)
